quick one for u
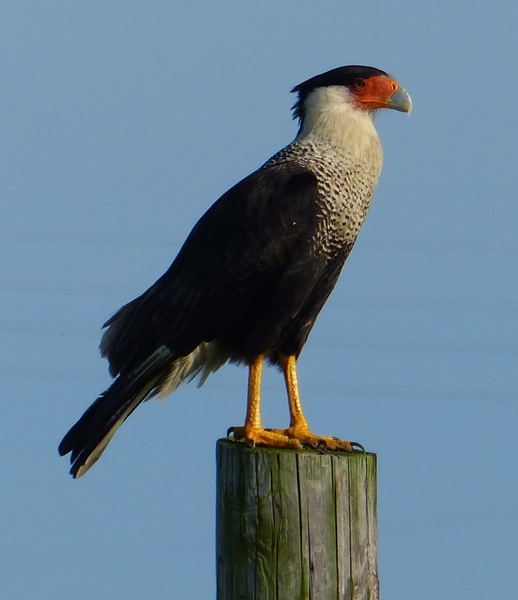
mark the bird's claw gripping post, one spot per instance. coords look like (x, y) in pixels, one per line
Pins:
(359, 446)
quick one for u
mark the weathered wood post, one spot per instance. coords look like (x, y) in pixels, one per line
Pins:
(295, 525)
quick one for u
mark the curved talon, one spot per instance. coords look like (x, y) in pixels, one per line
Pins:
(322, 445)
(358, 445)
(292, 437)
(307, 444)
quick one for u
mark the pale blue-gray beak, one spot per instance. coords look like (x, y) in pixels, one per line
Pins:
(400, 100)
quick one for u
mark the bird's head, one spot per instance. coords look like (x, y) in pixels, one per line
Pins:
(363, 90)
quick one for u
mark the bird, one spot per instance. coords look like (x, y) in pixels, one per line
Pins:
(255, 271)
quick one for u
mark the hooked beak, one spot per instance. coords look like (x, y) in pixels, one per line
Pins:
(400, 100)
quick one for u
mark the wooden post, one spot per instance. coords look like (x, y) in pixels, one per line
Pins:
(295, 525)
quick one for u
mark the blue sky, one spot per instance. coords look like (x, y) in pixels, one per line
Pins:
(121, 122)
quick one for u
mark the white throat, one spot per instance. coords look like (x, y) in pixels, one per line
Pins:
(331, 116)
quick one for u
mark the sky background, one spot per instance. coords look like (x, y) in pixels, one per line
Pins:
(120, 123)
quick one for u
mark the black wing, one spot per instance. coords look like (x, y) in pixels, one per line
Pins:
(251, 256)
(249, 275)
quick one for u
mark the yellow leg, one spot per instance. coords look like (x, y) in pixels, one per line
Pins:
(253, 409)
(289, 369)
(299, 428)
(253, 432)
(298, 433)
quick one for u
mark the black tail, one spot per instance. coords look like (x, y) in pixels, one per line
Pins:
(88, 438)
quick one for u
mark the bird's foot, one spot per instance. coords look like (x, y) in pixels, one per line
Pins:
(307, 438)
(294, 437)
(264, 437)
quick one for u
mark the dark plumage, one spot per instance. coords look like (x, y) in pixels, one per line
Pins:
(244, 263)
(253, 274)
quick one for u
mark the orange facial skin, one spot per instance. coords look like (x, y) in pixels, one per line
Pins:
(381, 91)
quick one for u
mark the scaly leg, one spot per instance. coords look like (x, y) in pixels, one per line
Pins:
(298, 433)
(298, 428)
(253, 431)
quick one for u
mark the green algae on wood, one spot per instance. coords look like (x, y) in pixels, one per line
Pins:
(295, 525)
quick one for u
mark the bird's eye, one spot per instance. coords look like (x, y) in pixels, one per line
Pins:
(358, 84)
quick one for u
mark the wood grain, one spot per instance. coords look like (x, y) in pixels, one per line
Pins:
(295, 525)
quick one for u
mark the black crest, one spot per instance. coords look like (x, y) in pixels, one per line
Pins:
(339, 76)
